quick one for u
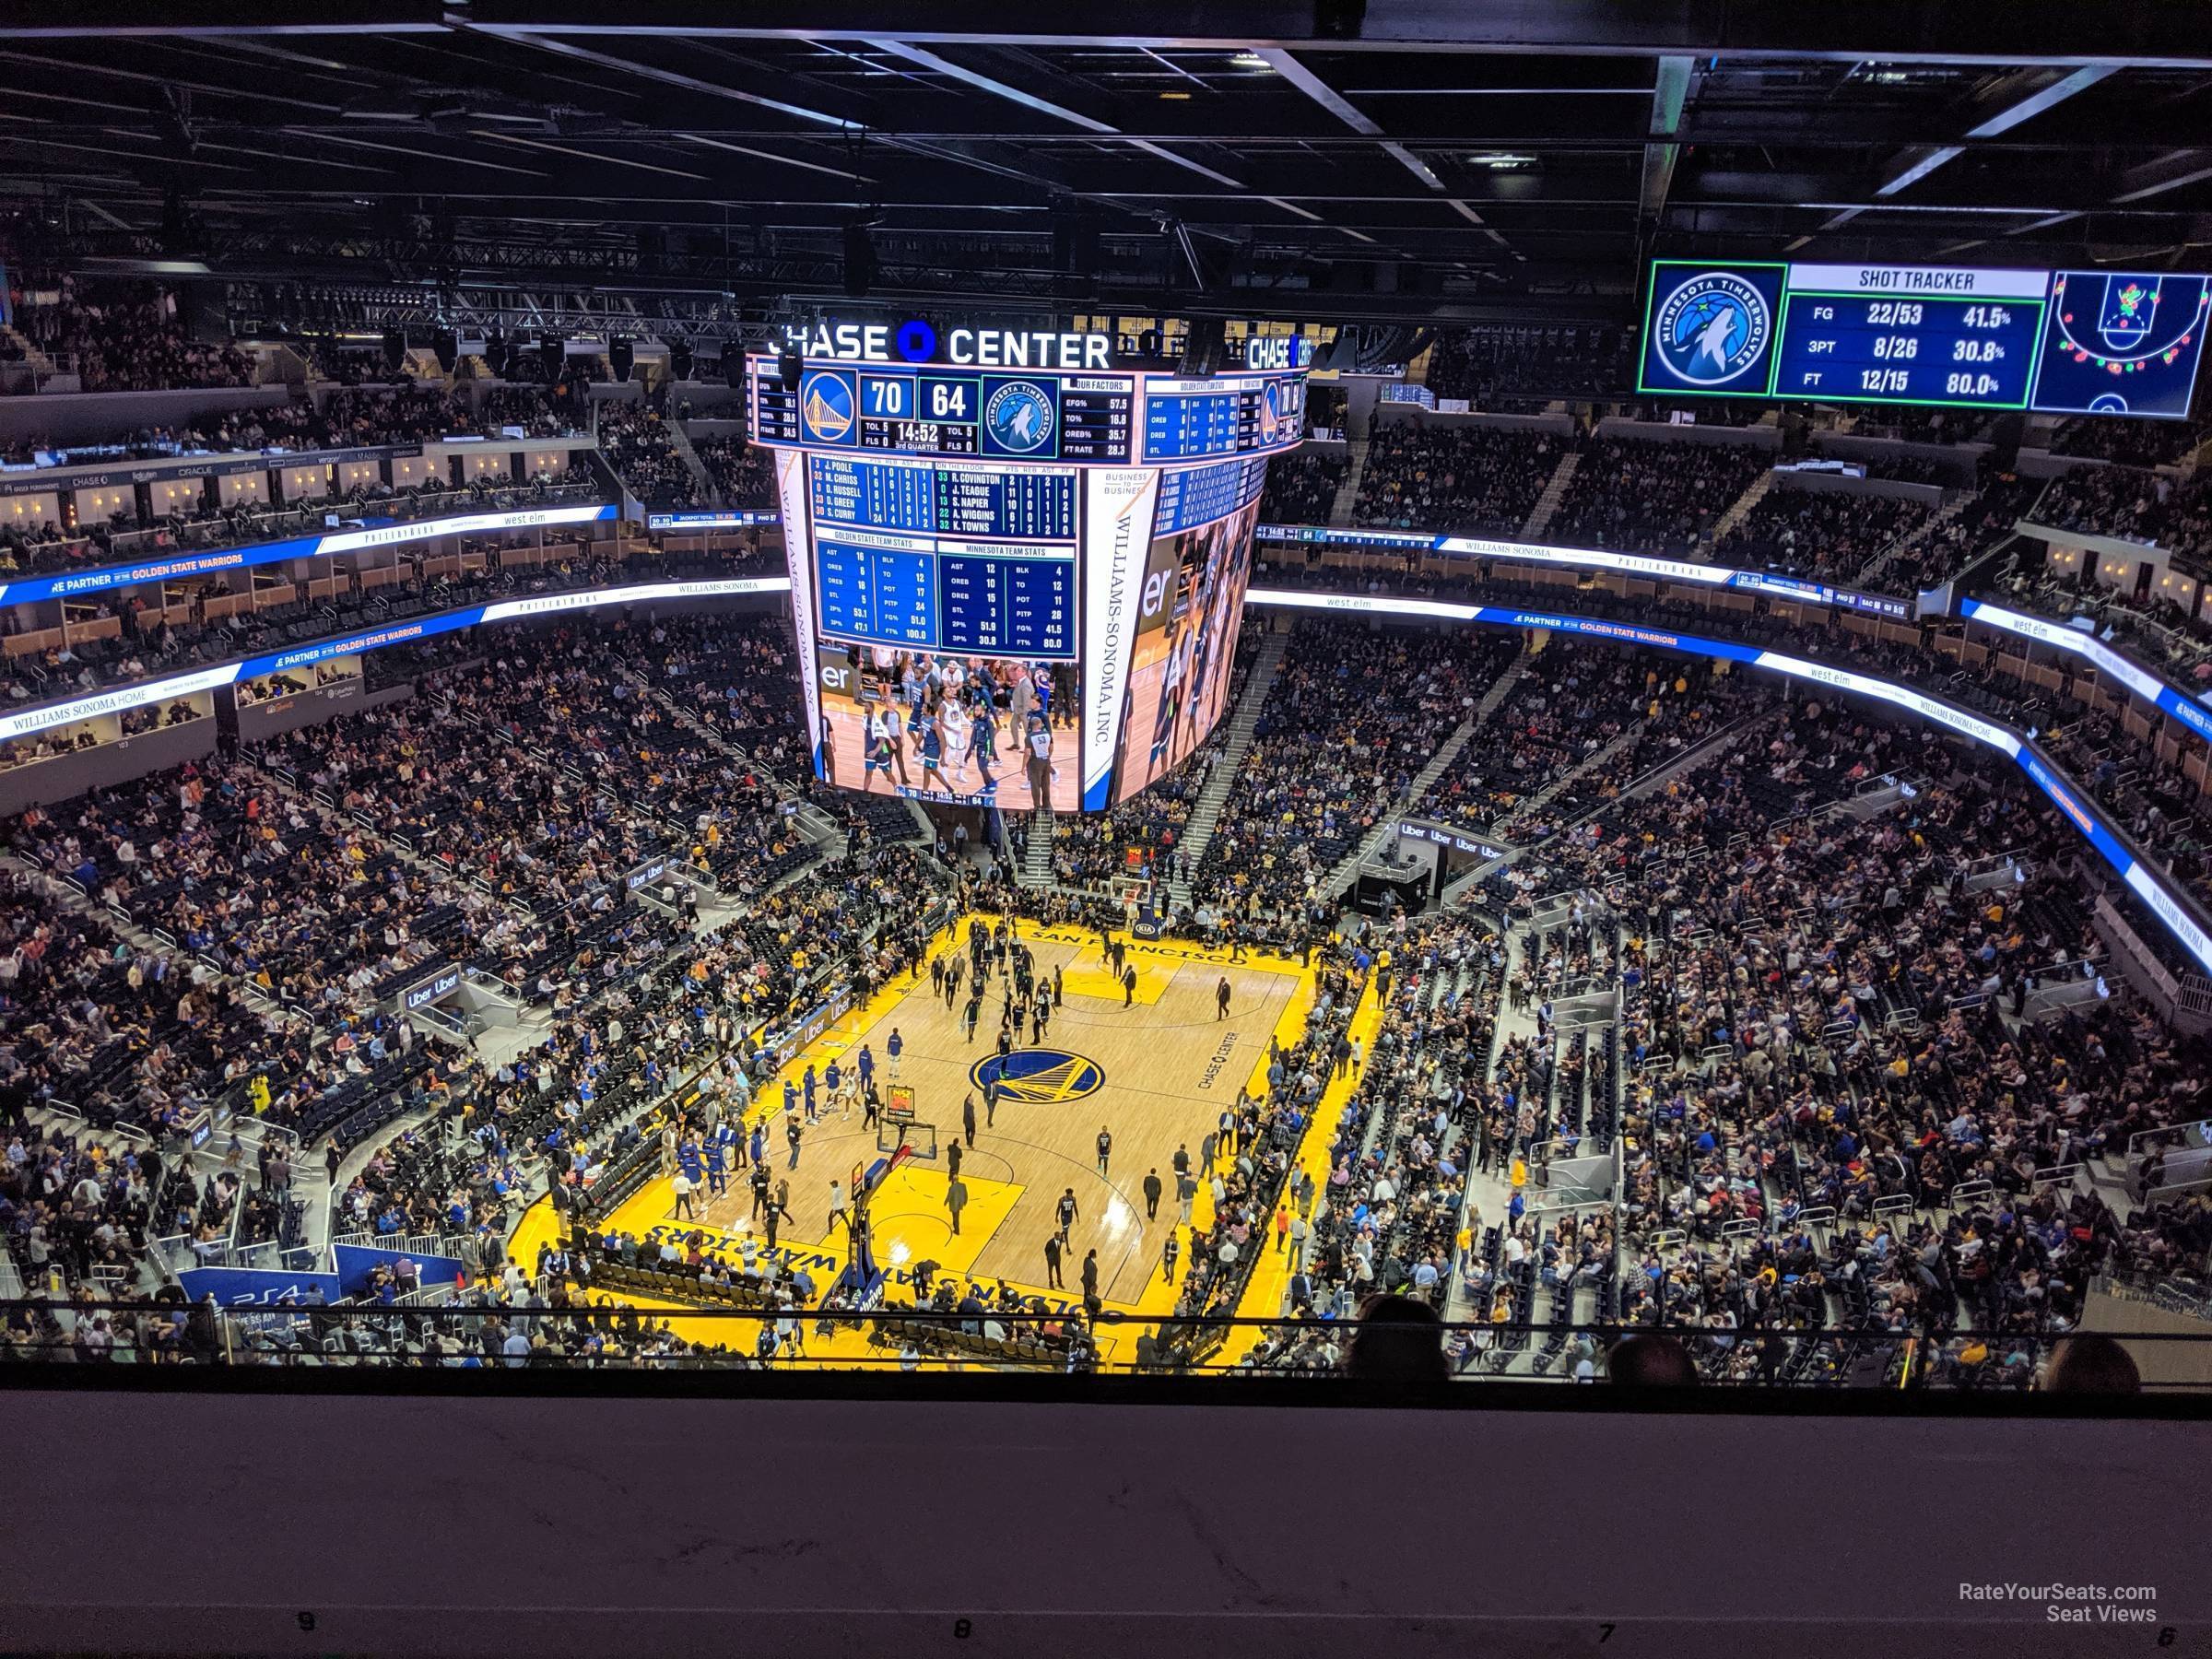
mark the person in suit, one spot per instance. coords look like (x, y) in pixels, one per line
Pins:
(1051, 1262)
(1152, 1191)
(1090, 1275)
(968, 1119)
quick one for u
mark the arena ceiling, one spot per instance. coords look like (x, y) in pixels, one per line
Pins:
(1322, 159)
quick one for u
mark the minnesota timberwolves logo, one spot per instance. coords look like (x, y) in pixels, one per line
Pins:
(1712, 328)
(826, 405)
(1019, 417)
(1042, 1076)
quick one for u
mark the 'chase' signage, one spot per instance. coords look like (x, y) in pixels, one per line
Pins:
(916, 341)
(1278, 351)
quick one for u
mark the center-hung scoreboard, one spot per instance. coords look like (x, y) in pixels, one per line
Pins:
(1003, 506)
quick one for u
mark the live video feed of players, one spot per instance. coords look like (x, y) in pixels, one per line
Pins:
(1002, 728)
(1186, 639)
(946, 727)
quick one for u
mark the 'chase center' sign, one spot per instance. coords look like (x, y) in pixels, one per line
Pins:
(915, 341)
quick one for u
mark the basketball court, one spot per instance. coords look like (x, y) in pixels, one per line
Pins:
(1154, 1067)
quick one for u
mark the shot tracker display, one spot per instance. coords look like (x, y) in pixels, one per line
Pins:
(1960, 337)
(1842, 345)
(2118, 343)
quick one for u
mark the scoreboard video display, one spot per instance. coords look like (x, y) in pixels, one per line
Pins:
(1086, 420)
(2066, 342)
(1014, 586)
(931, 557)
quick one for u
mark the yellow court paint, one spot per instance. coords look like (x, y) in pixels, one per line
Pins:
(1263, 1292)
(1156, 1075)
(908, 1221)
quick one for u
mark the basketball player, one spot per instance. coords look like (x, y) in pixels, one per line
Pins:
(933, 752)
(982, 739)
(878, 753)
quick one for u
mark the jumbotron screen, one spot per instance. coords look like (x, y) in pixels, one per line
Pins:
(2059, 342)
(977, 628)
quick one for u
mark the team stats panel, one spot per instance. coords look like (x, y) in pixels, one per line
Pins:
(940, 557)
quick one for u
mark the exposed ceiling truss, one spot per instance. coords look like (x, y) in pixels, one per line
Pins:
(1393, 160)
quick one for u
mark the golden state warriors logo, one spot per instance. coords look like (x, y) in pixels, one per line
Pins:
(1043, 1077)
(826, 405)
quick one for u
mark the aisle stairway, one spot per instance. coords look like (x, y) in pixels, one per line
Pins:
(698, 469)
(1036, 868)
(1954, 503)
(1347, 492)
(1347, 867)
(1238, 728)
(1721, 744)
(1740, 509)
(41, 365)
(1539, 516)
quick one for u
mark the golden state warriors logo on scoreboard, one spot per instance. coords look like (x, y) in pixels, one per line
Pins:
(1044, 1077)
(826, 401)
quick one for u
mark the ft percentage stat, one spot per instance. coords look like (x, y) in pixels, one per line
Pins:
(1909, 343)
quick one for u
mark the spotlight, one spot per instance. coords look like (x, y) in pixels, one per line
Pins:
(860, 262)
(1202, 347)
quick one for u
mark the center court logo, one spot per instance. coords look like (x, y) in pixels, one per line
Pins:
(826, 405)
(1044, 1077)
(1019, 417)
(1711, 329)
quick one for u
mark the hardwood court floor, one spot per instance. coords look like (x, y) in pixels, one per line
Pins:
(1166, 1068)
(1158, 1074)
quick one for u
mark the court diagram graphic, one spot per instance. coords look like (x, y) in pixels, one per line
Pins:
(2123, 343)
